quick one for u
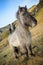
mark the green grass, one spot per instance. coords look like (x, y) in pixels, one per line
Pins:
(5, 34)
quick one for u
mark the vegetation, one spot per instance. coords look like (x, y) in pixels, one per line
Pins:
(41, 2)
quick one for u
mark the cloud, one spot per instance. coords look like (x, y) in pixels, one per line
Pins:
(26, 2)
(29, 3)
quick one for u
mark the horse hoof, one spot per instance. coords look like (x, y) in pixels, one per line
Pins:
(16, 57)
(33, 54)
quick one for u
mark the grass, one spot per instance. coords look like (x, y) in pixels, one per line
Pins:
(39, 16)
(10, 60)
(38, 30)
(32, 8)
(7, 56)
(4, 35)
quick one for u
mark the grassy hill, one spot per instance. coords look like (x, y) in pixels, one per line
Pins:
(32, 8)
(6, 54)
(39, 28)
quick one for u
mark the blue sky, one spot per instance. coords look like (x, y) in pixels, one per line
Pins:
(8, 9)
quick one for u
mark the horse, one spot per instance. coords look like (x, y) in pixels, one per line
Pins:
(20, 40)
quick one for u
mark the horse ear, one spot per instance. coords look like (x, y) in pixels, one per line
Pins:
(25, 7)
(19, 7)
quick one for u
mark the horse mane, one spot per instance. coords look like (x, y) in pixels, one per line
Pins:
(17, 14)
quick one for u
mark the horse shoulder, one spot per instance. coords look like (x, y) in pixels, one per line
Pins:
(13, 40)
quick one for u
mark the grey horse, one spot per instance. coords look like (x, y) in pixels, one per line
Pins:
(20, 40)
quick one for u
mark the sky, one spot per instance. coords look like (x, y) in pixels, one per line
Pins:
(8, 9)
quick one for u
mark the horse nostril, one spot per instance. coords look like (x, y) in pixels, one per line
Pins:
(26, 24)
(36, 22)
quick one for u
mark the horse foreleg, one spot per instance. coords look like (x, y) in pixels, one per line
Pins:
(16, 52)
(35, 47)
(31, 53)
(25, 53)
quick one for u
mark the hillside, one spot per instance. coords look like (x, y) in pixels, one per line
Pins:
(6, 54)
(39, 28)
(6, 30)
(32, 8)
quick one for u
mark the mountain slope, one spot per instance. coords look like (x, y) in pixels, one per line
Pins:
(38, 30)
(32, 8)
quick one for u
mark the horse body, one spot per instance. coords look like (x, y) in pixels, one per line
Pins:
(21, 37)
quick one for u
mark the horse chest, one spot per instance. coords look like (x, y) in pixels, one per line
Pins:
(20, 37)
(24, 36)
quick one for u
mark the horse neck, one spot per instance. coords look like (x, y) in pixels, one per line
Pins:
(21, 27)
